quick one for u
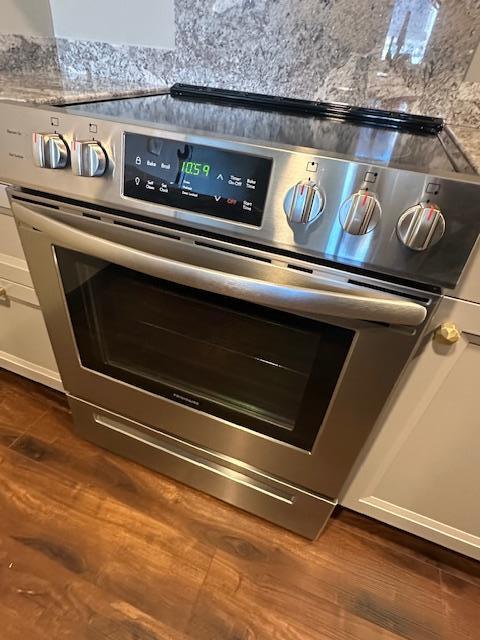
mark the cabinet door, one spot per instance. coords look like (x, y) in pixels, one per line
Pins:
(421, 470)
(24, 343)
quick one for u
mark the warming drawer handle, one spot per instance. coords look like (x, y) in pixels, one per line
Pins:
(298, 300)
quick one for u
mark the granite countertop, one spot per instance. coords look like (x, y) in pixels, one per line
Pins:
(468, 139)
(57, 89)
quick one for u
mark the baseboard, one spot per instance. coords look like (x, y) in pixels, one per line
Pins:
(31, 370)
(438, 532)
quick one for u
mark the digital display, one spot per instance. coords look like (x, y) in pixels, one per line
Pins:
(217, 182)
(195, 169)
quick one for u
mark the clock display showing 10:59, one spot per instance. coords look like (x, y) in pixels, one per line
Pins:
(195, 169)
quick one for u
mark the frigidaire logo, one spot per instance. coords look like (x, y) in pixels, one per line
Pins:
(14, 133)
(184, 399)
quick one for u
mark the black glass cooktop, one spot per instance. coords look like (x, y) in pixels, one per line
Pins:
(417, 150)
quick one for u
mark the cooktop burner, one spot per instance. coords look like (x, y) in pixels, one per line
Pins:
(388, 138)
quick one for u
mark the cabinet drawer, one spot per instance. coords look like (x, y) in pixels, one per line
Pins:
(24, 343)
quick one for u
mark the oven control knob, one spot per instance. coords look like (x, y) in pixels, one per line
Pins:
(304, 202)
(360, 213)
(88, 159)
(421, 226)
(49, 150)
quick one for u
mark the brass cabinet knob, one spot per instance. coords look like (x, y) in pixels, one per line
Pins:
(447, 333)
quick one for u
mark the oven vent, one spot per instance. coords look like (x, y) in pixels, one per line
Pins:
(297, 267)
(409, 296)
(155, 231)
(234, 252)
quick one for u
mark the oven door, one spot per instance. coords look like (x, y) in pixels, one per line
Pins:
(282, 369)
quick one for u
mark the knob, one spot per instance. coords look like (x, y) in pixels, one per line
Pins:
(88, 159)
(421, 226)
(447, 333)
(360, 213)
(49, 150)
(304, 202)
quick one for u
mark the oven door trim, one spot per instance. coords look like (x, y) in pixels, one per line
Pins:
(361, 391)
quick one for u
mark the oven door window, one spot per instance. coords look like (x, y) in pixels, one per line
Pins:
(268, 371)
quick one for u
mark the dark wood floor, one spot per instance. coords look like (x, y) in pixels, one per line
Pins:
(95, 547)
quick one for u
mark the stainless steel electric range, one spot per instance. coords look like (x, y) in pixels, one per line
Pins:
(233, 283)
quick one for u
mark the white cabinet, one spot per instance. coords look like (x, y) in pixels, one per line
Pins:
(24, 343)
(421, 470)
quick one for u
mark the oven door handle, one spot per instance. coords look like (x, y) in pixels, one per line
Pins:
(312, 303)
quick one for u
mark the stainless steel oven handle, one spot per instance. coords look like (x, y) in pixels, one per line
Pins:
(298, 300)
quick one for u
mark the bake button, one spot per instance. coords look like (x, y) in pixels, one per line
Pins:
(433, 188)
(370, 176)
(312, 166)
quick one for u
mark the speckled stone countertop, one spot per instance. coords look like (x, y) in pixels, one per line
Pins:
(56, 89)
(468, 138)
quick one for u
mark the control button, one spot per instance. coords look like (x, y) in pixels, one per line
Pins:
(92, 128)
(360, 213)
(235, 181)
(304, 202)
(49, 151)
(312, 166)
(251, 184)
(150, 185)
(432, 188)
(137, 180)
(371, 177)
(138, 161)
(88, 159)
(219, 177)
(217, 198)
(421, 226)
(54, 122)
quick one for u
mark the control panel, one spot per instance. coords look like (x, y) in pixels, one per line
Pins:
(384, 219)
(220, 183)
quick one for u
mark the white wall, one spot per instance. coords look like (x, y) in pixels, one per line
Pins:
(148, 23)
(26, 17)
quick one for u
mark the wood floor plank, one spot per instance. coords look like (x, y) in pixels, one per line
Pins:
(59, 603)
(103, 548)
(139, 560)
(444, 559)
(235, 604)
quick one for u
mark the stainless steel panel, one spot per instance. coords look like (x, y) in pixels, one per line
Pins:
(377, 357)
(380, 250)
(291, 507)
